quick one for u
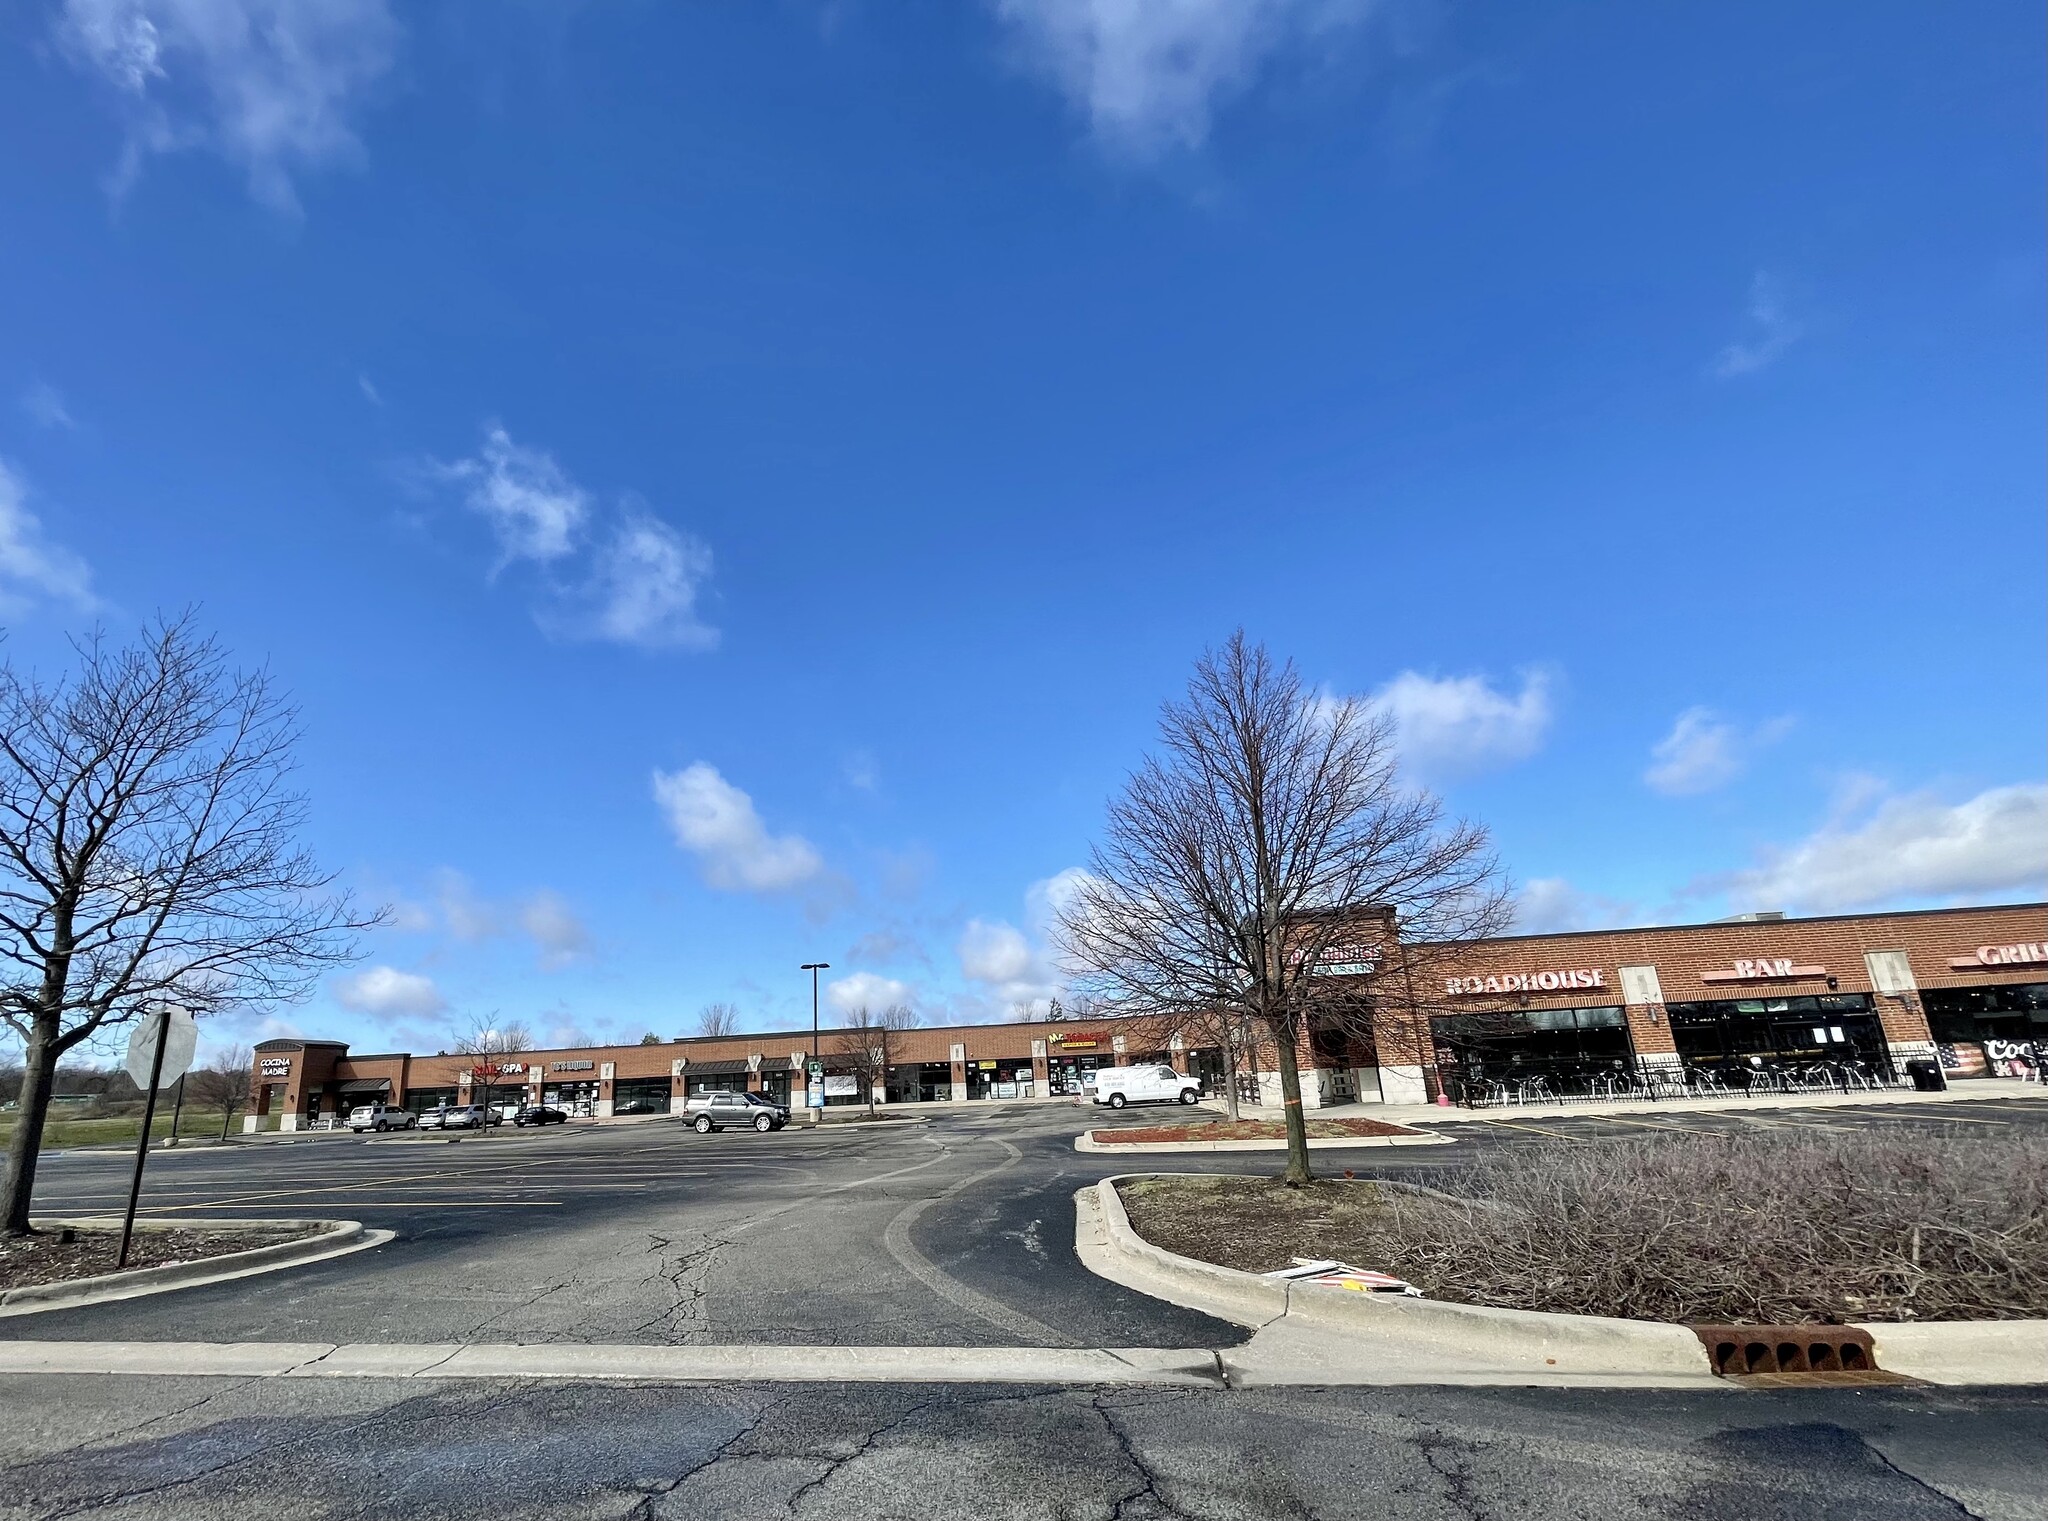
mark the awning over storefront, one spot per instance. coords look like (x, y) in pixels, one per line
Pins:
(365, 1085)
(717, 1069)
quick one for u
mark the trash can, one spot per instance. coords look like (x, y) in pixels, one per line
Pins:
(1926, 1076)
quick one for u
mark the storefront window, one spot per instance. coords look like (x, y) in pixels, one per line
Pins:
(640, 1095)
(1757, 1040)
(1990, 1032)
(1530, 1053)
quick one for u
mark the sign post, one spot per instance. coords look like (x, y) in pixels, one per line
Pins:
(159, 1051)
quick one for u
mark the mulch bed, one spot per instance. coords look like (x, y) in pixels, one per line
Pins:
(1246, 1130)
(1255, 1224)
(46, 1258)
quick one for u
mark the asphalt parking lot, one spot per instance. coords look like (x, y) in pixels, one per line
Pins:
(952, 1232)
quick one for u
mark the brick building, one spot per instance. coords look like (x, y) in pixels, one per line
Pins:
(1760, 1003)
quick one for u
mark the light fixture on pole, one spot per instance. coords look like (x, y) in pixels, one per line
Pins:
(817, 1068)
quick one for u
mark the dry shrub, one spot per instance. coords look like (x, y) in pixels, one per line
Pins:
(1772, 1228)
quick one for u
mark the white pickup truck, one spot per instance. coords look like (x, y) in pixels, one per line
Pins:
(1118, 1086)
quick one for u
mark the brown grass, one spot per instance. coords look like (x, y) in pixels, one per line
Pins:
(1831, 1228)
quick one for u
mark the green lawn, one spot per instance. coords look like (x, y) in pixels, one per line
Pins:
(62, 1131)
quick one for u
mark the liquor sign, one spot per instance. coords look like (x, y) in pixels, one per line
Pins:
(1528, 982)
(1764, 969)
(2029, 953)
(574, 1066)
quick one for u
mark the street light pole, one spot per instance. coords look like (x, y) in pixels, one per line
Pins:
(817, 1113)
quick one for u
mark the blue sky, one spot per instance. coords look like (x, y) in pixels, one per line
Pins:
(729, 486)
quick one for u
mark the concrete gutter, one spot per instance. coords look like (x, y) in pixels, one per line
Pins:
(327, 1238)
(1086, 1142)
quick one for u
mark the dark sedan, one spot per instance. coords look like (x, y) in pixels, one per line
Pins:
(539, 1114)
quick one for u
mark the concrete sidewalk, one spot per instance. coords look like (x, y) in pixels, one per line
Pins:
(1977, 1089)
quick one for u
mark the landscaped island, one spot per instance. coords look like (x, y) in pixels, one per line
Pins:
(1706, 1229)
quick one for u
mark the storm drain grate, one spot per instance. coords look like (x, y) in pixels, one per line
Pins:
(1795, 1356)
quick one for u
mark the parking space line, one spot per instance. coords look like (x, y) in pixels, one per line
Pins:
(1560, 1135)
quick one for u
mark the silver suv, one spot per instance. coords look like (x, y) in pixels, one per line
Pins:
(715, 1111)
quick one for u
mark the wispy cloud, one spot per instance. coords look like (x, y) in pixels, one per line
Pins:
(620, 574)
(719, 825)
(1768, 331)
(1149, 75)
(1458, 725)
(1704, 751)
(856, 991)
(1552, 905)
(273, 86)
(45, 406)
(369, 389)
(455, 908)
(1882, 847)
(32, 569)
(384, 992)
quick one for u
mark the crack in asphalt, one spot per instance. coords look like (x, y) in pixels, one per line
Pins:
(1914, 1479)
(864, 1447)
(684, 1273)
(644, 1511)
(501, 1399)
(1455, 1474)
(1148, 1487)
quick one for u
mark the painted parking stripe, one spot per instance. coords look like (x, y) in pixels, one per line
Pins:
(1560, 1135)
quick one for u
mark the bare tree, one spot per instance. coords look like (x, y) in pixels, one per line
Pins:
(1269, 841)
(148, 853)
(485, 1036)
(866, 1047)
(224, 1082)
(718, 1019)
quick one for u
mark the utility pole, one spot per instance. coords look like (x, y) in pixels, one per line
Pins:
(816, 1074)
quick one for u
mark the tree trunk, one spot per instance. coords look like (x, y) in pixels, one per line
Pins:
(1297, 1172)
(1233, 1063)
(38, 1077)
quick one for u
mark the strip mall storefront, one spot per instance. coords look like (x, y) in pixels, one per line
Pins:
(1760, 1005)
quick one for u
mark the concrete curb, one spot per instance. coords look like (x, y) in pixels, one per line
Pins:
(1086, 1141)
(1964, 1351)
(1463, 1339)
(333, 1238)
(1458, 1341)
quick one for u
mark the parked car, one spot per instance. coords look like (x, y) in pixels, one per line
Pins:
(466, 1117)
(380, 1117)
(430, 1119)
(539, 1114)
(714, 1111)
(1118, 1086)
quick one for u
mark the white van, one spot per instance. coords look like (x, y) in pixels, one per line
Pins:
(1118, 1086)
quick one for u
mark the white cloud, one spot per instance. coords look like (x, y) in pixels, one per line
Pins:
(31, 568)
(1896, 848)
(1704, 751)
(994, 952)
(1770, 333)
(867, 990)
(623, 575)
(271, 85)
(861, 772)
(1149, 74)
(554, 926)
(543, 916)
(535, 511)
(645, 586)
(45, 406)
(717, 823)
(369, 389)
(386, 992)
(1551, 905)
(1463, 724)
